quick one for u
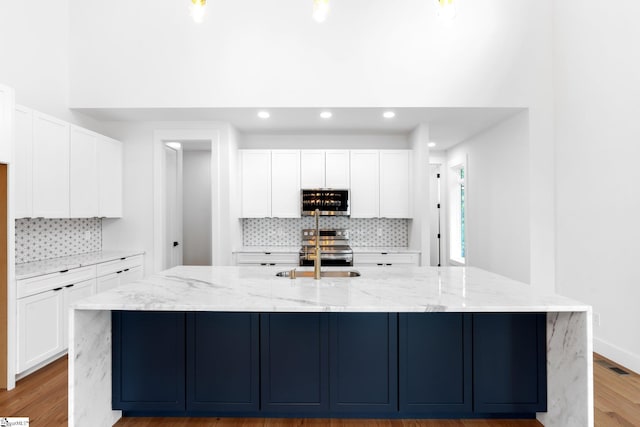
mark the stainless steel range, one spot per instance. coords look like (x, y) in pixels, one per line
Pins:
(334, 247)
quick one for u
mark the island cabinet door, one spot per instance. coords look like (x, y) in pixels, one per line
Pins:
(363, 363)
(294, 362)
(435, 363)
(148, 361)
(509, 362)
(222, 362)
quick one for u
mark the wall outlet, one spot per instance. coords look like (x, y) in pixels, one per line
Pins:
(596, 320)
(87, 235)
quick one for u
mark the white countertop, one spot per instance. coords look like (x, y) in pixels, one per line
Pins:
(395, 289)
(270, 249)
(361, 249)
(39, 268)
(385, 249)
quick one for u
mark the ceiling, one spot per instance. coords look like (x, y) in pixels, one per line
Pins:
(447, 126)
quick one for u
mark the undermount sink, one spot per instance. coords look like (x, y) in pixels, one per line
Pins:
(288, 273)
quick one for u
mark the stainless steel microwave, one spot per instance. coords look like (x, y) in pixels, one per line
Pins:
(328, 201)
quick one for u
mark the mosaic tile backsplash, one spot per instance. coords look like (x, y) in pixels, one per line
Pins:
(38, 239)
(287, 231)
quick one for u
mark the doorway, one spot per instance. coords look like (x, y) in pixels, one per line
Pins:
(187, 203)
(435, 215)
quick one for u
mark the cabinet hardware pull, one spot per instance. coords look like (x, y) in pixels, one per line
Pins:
(384, 253)
(70, 286)
(267, 253)
(122, 259)
(126, 269)
(64, 271)
(380, 264)
(263, 263)
(57, 289)
(118, 272)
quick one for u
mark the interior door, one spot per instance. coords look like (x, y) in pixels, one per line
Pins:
(173, 226)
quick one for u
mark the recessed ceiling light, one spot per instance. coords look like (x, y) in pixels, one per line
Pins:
(431, 144)
(264, 114)
(326, 114)
(388, 114)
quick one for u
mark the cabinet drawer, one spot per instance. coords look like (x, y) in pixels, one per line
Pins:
(383, 258)
(119, 265)
(267, 258)
(35, 285)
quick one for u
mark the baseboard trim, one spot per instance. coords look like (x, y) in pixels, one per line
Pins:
(619, 355)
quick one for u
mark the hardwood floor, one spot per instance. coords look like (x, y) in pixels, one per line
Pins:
(42, 397)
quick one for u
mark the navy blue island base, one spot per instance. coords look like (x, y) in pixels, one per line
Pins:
(329, 365)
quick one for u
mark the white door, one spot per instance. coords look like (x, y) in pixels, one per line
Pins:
(285, 183)
(435, 215)
(108, 282)
(50, 167)
(173, 203)
(394, 184)
(365, 185)
(40, 328)
(6, 122)
(337, 169)
(83, 173)
(256, 183)
(312, 169)
(23, 162)
(73, 293)
(110, 177)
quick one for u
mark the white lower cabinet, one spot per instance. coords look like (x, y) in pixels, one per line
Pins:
(267, 259)
(73, 293)
(41, 332)
(385, 259)
(44, 302)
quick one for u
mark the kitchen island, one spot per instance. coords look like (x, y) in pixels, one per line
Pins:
(398, 292)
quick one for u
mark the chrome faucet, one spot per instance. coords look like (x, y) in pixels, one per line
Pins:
(317, 252)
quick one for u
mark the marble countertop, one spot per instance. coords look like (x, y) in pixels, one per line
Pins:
(39, 268)
(272, 249)
(386, 249)
(361, 249)
(394, 289)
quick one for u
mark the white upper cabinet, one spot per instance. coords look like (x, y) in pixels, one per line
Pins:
(337, 169)
(256, 183)
(83, 173)
(394, 184)
(6, 122)
(50, 167)
(285, 183)
(312, 169)
(365, 186)
(109, 154)
(324, 169)
(23, 162)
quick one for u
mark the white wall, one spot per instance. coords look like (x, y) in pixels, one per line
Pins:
(597, 65)
(497, 198)
(34, 56)
(196, 197)
(420, 227)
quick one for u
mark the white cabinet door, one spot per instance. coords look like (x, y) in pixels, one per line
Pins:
(131, 275)
(83, 173)
(40, 327)
(108, 282)
(7, 105)
(337, 169)
(256, 183)
(312, 169)
(109, 177)
(23, 161)
(285, 183)
(50, 167)
(73, 293)
(365, 195)
(394, 184)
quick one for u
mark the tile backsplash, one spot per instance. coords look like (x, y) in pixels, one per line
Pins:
(287, 231)
(38, 239)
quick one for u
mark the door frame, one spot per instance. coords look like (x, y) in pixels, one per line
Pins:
(214, 134)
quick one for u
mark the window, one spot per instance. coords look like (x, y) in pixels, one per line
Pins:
(457, 213)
